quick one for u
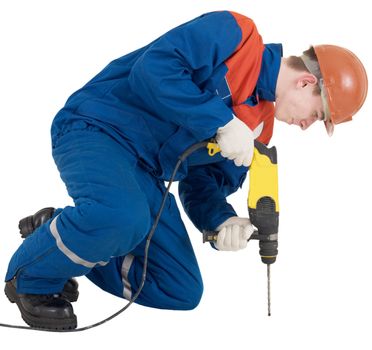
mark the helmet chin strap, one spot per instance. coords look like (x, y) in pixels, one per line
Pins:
(313, 68)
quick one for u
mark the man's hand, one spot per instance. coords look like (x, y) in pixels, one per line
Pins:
(233, 234)
(236, 141)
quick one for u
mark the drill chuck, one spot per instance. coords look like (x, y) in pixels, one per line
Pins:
(266, 219)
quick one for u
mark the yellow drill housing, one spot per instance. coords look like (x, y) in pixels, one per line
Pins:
(263, 176)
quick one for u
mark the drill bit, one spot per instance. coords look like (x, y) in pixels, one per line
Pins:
(268, 291)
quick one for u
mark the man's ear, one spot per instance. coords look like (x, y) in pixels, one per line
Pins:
(306, 79)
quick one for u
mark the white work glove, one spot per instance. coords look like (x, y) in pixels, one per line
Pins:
(236, 141)
(233, 234)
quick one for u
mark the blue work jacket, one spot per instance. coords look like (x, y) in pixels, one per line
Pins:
(175, 92)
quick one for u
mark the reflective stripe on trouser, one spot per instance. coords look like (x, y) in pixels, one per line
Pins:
(70, 254)
(125, 267)
(111, 215)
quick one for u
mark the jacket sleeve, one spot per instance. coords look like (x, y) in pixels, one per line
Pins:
(169, 77)
(203, 193)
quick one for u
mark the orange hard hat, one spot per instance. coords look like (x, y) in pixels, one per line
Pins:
(343, 84)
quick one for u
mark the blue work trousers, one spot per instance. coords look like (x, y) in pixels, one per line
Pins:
(103, 235)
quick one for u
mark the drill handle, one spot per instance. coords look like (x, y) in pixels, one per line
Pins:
(211, 236)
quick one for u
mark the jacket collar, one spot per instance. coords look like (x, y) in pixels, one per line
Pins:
(266, 83)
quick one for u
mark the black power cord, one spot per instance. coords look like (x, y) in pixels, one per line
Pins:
(181, 158)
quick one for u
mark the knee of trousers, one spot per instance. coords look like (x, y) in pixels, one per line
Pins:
(119, 228)
(192, 297)
(183, 292)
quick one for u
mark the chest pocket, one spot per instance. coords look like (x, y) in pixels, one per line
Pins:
(224, 92)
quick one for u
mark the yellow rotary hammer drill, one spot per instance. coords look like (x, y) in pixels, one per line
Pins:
(263, 204)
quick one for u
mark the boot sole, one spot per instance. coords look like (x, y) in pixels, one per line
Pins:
(37, 322)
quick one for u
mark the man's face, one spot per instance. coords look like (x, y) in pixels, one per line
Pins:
(299, 106)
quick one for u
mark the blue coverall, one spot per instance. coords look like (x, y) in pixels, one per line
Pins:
(116, 141)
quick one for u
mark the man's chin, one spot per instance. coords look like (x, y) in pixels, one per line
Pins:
(285, 120)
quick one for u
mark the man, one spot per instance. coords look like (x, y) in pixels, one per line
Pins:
(118, 138)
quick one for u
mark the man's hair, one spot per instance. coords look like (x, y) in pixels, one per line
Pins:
(296, 63)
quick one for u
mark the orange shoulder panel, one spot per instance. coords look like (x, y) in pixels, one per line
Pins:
(245, 63)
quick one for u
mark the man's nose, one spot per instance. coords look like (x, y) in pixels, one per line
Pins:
(305, 123)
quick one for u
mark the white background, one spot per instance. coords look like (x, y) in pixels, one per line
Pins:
(321, 282)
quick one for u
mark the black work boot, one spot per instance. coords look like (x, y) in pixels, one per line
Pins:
(28, 225)
(51, 311)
